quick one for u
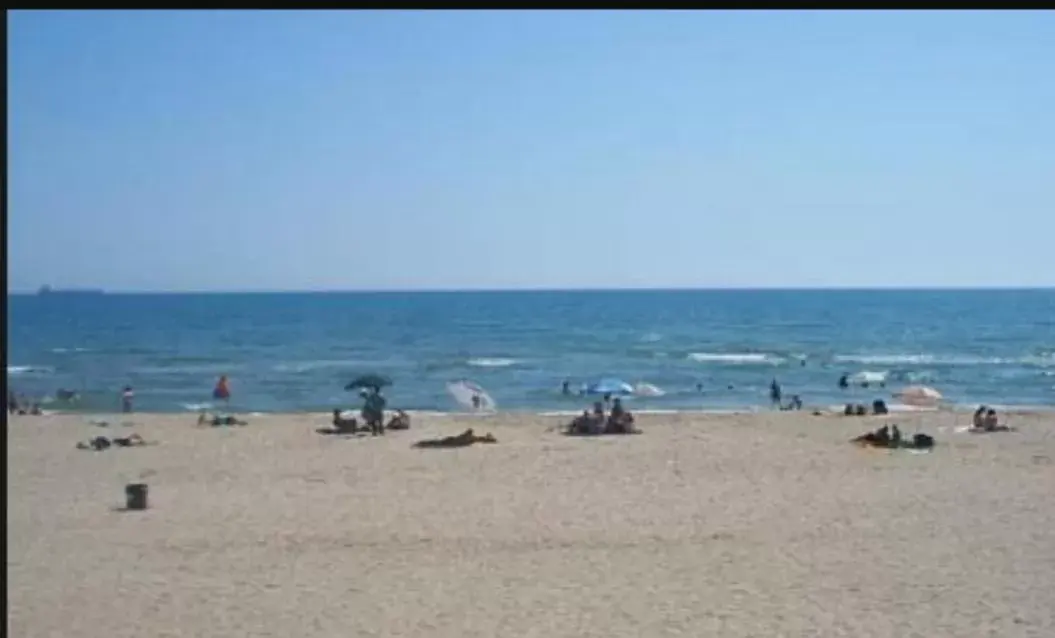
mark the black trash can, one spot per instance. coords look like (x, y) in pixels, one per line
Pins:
(136, 496)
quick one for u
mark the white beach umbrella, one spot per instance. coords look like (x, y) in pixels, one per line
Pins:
(463, 392)
(919, 396)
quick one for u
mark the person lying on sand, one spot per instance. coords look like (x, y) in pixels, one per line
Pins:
(465, 439)
(343, 425)
(101, 443)
(217, 420)
(401, 421)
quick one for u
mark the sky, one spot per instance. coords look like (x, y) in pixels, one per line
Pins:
(315, 150)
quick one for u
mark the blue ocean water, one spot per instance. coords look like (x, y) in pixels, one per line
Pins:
(295, 351)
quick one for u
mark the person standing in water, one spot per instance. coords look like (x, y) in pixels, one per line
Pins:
(565, 388)
(222, 391)
(127, 395)
(775, 393)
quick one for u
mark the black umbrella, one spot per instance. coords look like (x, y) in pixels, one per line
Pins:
(375, 381)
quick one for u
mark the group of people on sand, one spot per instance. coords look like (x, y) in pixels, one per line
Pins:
(986, 420)
(19, 404)
(350, 425)
(890, 437)
(616, 420)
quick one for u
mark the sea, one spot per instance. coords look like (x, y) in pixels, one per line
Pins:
(710, 350)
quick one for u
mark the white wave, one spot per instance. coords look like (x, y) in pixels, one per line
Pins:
(209, 369)
(869, 376)
(919, 359)
(651, 337)
(307, 366)
(648, 390)
(67, 350)
(1046, 361)
(196, 407)
(491, 362)
(16, 370)
(744, 358)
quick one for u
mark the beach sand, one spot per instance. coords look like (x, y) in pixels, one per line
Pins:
(723, 525)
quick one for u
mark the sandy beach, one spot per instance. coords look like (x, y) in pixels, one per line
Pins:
(731, 525)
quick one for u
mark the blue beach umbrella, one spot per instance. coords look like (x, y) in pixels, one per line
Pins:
(616, 387)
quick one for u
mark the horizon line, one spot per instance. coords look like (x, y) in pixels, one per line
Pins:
(468, 290)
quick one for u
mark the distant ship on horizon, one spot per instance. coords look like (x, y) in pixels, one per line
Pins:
(48, 290)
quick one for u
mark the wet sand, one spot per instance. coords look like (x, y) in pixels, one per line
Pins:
(726, 525)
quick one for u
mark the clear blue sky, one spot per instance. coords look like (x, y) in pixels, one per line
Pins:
(347, 150)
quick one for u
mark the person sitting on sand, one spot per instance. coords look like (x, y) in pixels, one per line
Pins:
(589, 422)
(343, 425)
(978, 420)
(35, 410)
(620, 421)
(990, 423)
(581, 424)
(464, 439)
(401, 421)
